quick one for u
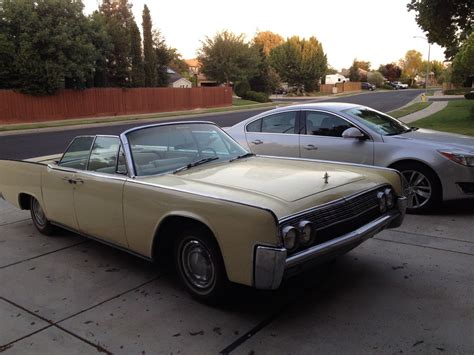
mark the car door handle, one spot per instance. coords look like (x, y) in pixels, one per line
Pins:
(69, 180)
(78, 181)
(310, 147)
(257, 141)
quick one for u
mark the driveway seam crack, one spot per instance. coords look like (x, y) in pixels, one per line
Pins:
(432, 236)
(41, 255)
(424, 246)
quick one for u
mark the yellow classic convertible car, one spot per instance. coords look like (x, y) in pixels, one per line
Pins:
(189, 191)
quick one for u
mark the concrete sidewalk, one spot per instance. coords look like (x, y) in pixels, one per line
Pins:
(439, 103)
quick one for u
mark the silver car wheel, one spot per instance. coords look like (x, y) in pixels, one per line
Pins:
(38, 213)
(197, 264)
(419, 188)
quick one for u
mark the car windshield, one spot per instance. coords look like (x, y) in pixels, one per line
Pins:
(379, 122)
(176, 147)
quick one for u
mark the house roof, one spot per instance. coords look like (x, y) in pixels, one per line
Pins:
(192, 62)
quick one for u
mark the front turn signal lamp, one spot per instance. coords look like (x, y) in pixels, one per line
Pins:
(466, 159)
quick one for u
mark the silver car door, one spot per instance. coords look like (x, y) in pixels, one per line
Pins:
(321, 138)
(275, 134)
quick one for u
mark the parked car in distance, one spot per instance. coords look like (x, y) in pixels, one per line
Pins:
(398, 85)
(189, 192)
(367, 86)
(437, 165)
(280, 91)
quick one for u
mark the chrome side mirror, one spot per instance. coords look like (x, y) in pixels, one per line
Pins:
(353, 133)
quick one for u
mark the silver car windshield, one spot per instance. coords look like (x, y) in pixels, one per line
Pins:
(170, 148)
(377, 121)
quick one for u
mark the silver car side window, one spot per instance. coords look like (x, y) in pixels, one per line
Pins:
(325, 124)
(283, 122)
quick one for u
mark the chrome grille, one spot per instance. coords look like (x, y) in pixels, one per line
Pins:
(339, 217)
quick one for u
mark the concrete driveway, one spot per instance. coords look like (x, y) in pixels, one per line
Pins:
(407, 290)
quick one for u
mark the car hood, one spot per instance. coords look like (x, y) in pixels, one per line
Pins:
(440, 140)
(281, 185)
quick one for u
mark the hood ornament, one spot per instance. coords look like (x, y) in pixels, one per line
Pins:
(326, 178)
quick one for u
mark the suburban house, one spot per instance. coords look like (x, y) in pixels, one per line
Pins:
(177, 81)
(195, 72)
(335, 78)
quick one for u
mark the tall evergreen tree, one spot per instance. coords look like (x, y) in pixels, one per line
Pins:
(137, 72)
(118, 18)
(149, 55)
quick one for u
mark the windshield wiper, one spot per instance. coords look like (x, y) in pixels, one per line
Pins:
(246, 155)
(196, 163)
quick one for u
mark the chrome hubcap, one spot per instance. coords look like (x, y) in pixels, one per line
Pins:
(419, 188)
(197, 264)
(38, 213)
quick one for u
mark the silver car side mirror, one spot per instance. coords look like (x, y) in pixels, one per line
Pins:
(353, 133)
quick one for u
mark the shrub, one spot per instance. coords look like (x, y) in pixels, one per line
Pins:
(241, 87)
(256, 96)
(469, 95)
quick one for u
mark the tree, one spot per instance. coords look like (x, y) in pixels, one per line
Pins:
(411, 65)
(363, 65)
(463, 63)
(267, 40)
(390, 71)
(375, 78)
(149, 56)
(137, 74)
(447, 23)
(300, 62)
(354, 74)
(101, 40)
(45, 46)
(228, 58)
(118, 18)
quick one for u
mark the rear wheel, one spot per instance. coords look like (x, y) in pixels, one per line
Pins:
(200, 266)
(424, 188)
(39, 218)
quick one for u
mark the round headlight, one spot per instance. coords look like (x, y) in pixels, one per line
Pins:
(290, 236)
(306, 232)
(389, 197)
(382, 202)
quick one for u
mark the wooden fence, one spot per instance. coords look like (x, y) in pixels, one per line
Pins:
(340, 87)
(66, 104)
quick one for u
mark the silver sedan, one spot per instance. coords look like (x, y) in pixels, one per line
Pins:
(437, 166)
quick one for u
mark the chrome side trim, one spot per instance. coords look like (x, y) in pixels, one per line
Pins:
(269, 267)
(102, 241)
(357, 236)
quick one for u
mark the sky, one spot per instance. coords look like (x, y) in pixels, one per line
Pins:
(379, 31)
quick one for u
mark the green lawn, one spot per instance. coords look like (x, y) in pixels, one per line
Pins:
(409, 109)
(242, 102)
(457, 117)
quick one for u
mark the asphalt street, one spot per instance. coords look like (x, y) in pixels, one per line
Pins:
(23, 146)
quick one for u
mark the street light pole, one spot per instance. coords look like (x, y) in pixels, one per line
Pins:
(428, 63)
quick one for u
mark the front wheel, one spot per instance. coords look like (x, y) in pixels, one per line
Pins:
(424, 189)
(39, 218)
(200, 266)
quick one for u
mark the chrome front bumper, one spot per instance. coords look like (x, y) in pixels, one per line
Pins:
(271, 263)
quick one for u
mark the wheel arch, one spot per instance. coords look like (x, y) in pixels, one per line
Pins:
(397, 163)
(24, 200)
(163, 239)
